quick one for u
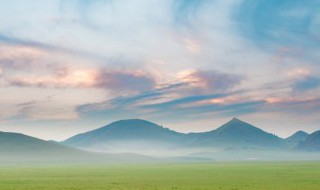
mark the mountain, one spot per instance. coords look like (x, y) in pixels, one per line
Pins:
(16, 144)
(296, 138)
(133, 135)
(238, 134)
(312, 143)
(19, 147)
(144, 137)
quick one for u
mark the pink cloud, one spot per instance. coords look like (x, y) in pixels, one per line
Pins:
(209, 81)
(87, 78)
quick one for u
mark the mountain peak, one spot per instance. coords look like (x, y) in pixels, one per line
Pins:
(132, 121)
(236, 120)
(302, 132)
(312, 143)
(236, 124)
(238, 133)
(299, 133)
(121, 132)
(297, 138)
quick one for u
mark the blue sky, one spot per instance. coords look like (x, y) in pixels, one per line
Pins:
(191, 65)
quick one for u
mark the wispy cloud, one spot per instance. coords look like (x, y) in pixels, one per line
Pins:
(85, 8)
(122, 80)
(163, 59)
(155, 95)
(185, 10)
(35, 110)
(306, 83)
(280, 23)
(210, 81)
(18, 42)
(118, 81)
(182, 101)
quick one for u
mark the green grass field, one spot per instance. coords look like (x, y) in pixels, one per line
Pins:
(230, 176)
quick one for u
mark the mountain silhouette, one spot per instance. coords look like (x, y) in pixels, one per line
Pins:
(126, 140)
(133, 135)
(296, 138)
(312, 143)
(19, 147)
(238, 134)
(140, 136)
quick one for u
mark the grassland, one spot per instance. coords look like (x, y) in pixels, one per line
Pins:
(229, 176)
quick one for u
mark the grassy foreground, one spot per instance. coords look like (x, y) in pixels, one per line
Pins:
(230, 176)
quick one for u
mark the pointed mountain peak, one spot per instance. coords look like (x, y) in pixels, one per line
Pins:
(242, 134)
(235, 120)
(236, 124)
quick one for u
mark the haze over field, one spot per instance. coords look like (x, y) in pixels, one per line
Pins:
(235, 140)
(140, 141)
(70, 66)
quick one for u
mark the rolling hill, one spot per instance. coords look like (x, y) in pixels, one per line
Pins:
(133, 135)
(18, 147)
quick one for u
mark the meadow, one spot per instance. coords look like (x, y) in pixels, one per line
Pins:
(229, 176)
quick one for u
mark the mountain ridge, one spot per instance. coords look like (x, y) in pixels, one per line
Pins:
(125, 135)
(17, 147)
(127, 140)
(296, 138)
(239, 133)
(312, 143)
(131, 134)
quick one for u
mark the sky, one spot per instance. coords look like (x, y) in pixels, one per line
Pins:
(69, 66)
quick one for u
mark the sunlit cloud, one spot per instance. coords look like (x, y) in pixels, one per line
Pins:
(210, 81)
(180, 61)
(89, 78)
(298, 73)
(71, 79)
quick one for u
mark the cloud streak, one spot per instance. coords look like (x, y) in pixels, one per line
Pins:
(185, 10)
(280, 23)
(105, 79)
(170, 60)
(210, 81)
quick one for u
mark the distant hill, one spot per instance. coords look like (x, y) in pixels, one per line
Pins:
(128, 140)
(133, 135)
(140, 136)
(296, 138)
(19, 147)
(312, 143)
(238, 134)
